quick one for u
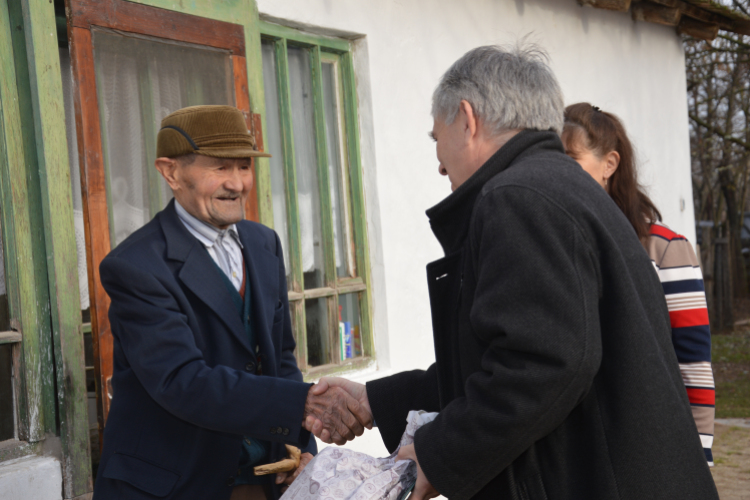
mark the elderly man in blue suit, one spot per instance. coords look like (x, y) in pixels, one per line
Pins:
(205, 381)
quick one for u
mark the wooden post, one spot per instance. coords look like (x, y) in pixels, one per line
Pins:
(618, 5)
(658, 14)
(65, 311)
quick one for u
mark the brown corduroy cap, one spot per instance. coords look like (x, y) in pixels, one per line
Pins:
(218, 131)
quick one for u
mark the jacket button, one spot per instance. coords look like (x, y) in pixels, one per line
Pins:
(273, 430)
(230, 481)
(286, 432)
(279, 430)
(250, 367)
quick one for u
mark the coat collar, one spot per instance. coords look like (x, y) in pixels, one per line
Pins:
(199, 274)
(450, 218)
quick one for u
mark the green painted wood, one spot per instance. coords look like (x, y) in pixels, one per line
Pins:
(18, 242)
(362, 249)
(290, 175)
(329, 43)
(258, 105)
(52, 157)
(36, 219)
(231, 11)
(326, 213)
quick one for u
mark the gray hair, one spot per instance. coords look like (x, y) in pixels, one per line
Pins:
(508, 88)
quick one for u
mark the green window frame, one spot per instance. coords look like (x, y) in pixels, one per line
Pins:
(337, 54)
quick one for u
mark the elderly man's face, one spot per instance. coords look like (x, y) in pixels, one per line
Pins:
(213, 190)
(453, 152)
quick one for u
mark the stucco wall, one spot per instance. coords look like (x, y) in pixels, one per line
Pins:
(31, 478)
(635, 70)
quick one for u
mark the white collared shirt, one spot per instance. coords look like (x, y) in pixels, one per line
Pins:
(223, 245)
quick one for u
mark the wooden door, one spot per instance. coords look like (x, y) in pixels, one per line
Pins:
(92, 24)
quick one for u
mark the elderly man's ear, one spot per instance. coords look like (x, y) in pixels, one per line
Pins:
(468, 118)
(167, 167)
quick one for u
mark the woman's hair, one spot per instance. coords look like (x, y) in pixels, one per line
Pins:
(588, 127)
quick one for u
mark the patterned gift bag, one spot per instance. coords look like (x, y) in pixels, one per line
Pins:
(341, 474)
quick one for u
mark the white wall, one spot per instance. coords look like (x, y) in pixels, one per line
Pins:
(635, 70)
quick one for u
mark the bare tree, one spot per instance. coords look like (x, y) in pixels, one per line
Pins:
(718, 84)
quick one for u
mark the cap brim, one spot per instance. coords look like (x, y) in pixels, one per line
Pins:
(232, 153)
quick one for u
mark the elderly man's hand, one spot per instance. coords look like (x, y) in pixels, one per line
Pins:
(355, 390)
(288, 478)
(423, 490)
(337, 413)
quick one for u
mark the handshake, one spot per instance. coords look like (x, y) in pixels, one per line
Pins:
(337, 410)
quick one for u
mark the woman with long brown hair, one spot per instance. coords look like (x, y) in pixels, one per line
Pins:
(598, 141)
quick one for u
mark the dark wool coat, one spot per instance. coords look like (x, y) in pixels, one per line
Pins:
(555, 376)
(186, 384)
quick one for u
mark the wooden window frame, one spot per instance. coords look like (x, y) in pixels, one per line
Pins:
(29, 334)
(324, 49)
(125, 16)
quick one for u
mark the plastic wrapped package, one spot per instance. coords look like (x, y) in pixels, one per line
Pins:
(342, 474)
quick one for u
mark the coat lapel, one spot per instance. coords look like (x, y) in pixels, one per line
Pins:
(263, 274)
(199, 273)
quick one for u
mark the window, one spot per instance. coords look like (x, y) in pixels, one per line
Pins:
(317, 195)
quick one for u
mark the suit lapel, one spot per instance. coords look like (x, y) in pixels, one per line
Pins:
(263, 274)
(199, 273)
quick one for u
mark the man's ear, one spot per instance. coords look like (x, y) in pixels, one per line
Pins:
(613, 161)
(469, 118)
(167, 167)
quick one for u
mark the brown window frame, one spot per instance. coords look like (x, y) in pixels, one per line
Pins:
(129, 17)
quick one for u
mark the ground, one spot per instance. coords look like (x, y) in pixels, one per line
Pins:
(732, 459)
(731, 362)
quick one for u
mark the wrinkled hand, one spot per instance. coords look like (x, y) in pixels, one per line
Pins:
(423, 490)
(288, 478)
(333, 410)
(355, 390)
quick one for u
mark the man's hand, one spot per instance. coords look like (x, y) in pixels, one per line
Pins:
(355, 390)
(334, 411)
(423, 490)
(288, 477)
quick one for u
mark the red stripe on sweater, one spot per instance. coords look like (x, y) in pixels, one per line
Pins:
(664, 232)
(689, 317)
(701, 396)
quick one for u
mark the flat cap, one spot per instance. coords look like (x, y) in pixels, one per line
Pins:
(218, 131)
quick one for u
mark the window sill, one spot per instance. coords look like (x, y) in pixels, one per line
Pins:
(12, 449)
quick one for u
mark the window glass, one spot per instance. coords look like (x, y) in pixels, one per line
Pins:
(7, 420)
(300, 89)
(274, 146)
(318, 338)
(350, 331)
(139, 82)
(336, 167)
(75, 174)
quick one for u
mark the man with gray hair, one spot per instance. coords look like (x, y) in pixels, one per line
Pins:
(555, 376)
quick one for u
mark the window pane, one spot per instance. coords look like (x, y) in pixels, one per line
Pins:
(336, 173)
(300, 88)
(75, 174)
(273, 146)
(4, 311)
(318, 333)
(350, 331)
(7, 413)
(139, 82)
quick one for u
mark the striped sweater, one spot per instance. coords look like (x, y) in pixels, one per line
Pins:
(682, 280)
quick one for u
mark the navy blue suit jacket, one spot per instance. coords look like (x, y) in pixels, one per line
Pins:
(185, 388)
